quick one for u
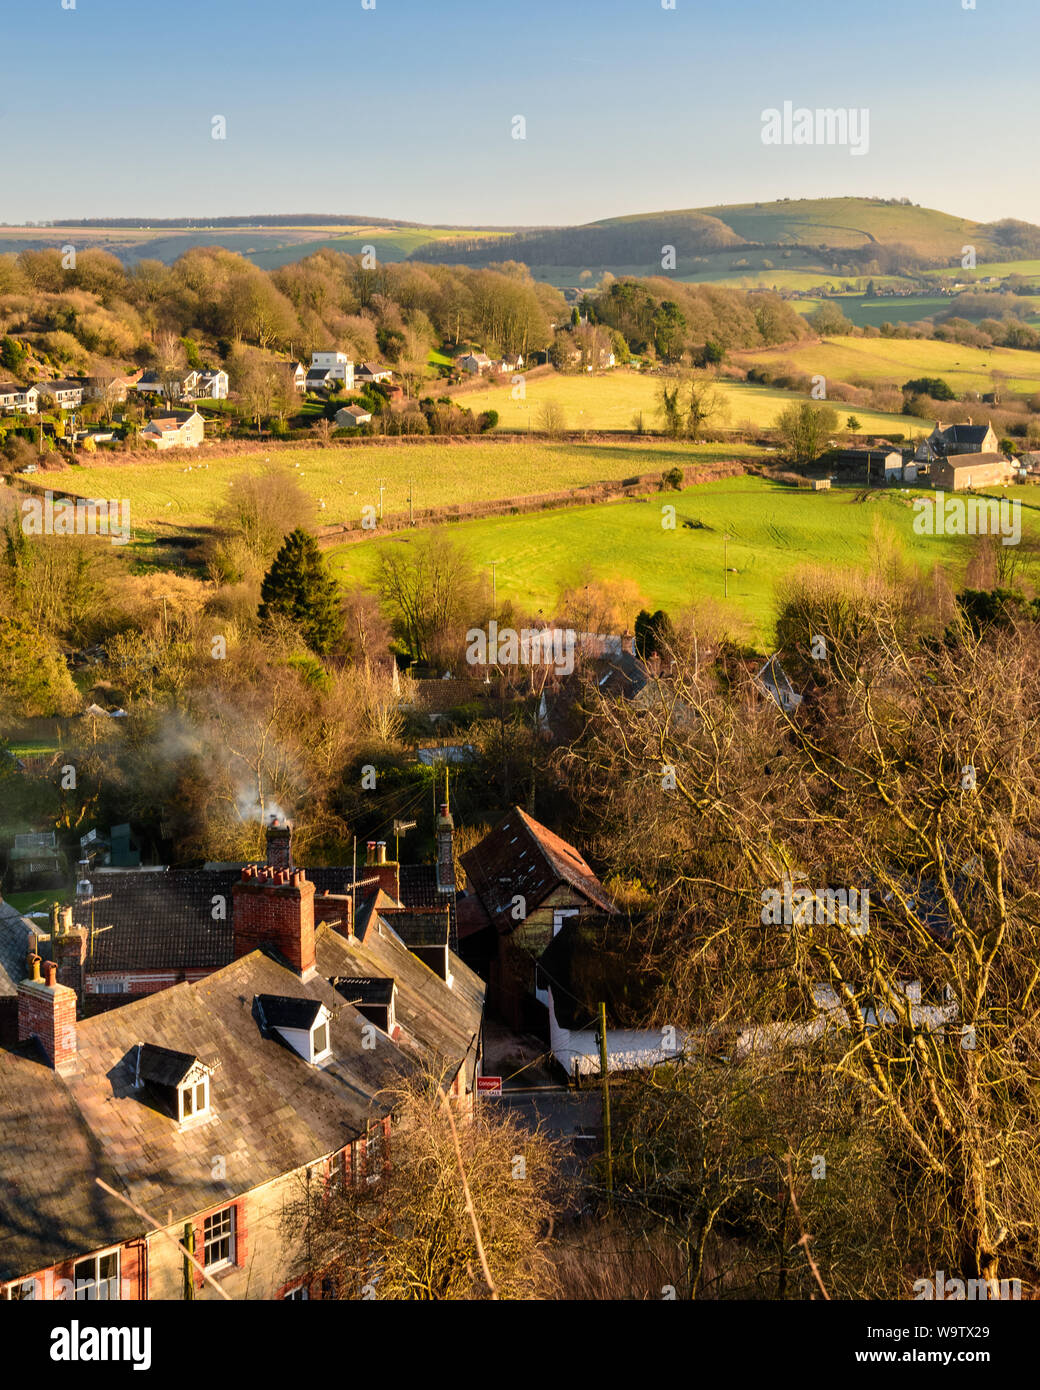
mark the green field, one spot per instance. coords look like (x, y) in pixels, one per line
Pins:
(896, 360)
(771, 528)
(609, 400)
(348, 478)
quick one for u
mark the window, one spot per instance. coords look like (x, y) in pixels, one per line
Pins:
(320, 1041)
(22, 1292)
(297, 1295)
(97, 1277)
(218, 1233)
(334, 1177)
(195, 1098)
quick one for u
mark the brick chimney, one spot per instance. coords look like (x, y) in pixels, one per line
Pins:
(47, 1012)
(69, 946)
(385, 871)
(445, 861)
(279, 844)
(275, 907)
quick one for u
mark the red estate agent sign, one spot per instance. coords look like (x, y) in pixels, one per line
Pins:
(489, 1085)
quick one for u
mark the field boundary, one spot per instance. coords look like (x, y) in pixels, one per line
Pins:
(588, 495)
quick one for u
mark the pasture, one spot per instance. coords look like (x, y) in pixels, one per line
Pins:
(895, 360)
(189, 492)
(610, 400)
(771, 530)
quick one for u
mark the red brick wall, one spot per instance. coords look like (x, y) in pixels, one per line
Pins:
(276, 908)
(48, 1012)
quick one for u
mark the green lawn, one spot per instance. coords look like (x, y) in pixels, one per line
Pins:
(900, 359)
(609, 400)
(771, 528)
(347, 478)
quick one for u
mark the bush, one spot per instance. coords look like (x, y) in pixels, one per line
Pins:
(487, 420)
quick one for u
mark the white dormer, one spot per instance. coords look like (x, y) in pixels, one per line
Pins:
(302, 1023)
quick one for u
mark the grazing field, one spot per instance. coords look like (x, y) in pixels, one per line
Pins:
(901, 359)
(347, 478)
(772, 529)
(1029, 270)
(610, 400)
(861, 311)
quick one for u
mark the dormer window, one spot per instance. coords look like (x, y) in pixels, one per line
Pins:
(177, 1081)
(194, 1099)
(301, 1023)
(373, 998)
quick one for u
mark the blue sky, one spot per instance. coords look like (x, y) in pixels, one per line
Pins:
(406, 110)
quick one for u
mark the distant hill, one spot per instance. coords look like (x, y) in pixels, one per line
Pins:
(862, 229)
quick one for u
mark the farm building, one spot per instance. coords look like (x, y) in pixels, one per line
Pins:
(474, 362)
(965, 471)
(876, 465)
(350, 416)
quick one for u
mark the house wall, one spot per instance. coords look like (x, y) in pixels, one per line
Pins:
(511, 990)
(961, 479)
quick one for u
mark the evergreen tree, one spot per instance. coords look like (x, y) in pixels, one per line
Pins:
(299, 587)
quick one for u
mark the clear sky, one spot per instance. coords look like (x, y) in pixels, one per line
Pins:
(406, 110)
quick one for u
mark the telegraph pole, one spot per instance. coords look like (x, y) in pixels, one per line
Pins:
(606, 1104)
(725, 566)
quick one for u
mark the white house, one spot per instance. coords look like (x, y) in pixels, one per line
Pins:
(211, 386)
(337, 364)
(67, 394)
(19, 400)
(298, 372)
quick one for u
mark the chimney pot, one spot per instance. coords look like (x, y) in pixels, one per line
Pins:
(380, 851)
(51, 974)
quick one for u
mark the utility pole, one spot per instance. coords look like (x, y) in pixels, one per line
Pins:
(382, 488)
(189, 1251)
(725, 566)
(606, 1104)
(494, 589)
(411, 519)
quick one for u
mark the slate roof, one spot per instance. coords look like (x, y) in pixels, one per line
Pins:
(272, 1112)
(521, 856)
(15, 931)
(161, 921)
(288, 1011)
(359, 990)
(429, 927)
(164, 921)
(970, 461)
(163, 1066)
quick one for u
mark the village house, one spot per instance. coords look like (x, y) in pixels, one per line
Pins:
(523, 883)
(337, 365)
(368, 375)
(209, 1105)
(206, 386)
(134, 932)
(19, 400)
(960, 472)
(178, 429)
(947, 440)
(474, 362)
(298, 373)
(67, 395)
(350, 416)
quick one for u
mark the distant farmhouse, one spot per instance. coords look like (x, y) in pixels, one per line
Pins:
(947, 440)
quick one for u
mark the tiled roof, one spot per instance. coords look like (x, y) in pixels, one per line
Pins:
(272, 1112)
(969, 461)
(165, 921)
(429, 927)
(521, 856)
(288, 1011)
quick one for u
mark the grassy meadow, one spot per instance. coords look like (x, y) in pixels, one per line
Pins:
(878, 360)
(177, 493)
(610, 400)
(772, 529)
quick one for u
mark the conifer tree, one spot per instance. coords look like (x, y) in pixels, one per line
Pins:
(299, 587)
